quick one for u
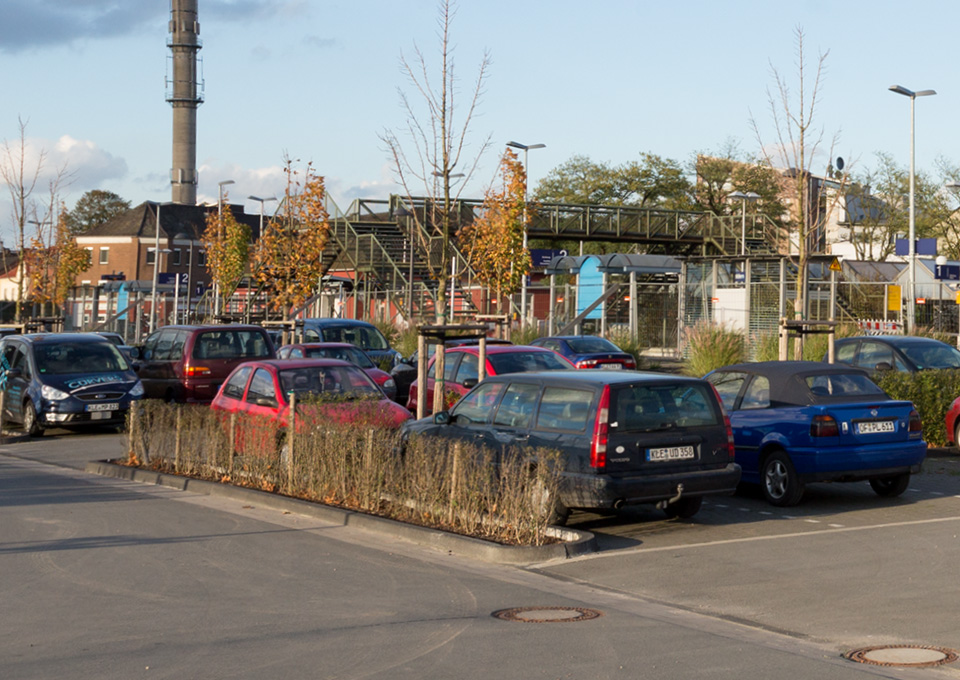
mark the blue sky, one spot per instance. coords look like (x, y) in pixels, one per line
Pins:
(318, 79)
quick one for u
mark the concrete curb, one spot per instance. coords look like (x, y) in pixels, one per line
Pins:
(574, 542)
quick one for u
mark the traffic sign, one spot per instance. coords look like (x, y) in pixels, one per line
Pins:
(835, 265)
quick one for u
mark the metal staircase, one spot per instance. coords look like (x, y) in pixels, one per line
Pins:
(391, 243)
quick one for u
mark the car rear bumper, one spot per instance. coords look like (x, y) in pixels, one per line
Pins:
(858, 462)
(585, 491)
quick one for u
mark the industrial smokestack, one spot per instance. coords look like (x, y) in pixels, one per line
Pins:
(185, 96)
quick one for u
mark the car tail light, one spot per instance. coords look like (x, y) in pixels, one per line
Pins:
(731, 447)
(824, 426)
(916, 425)
(598, 447)
(587, 363)
(629, 364)
(194, 371)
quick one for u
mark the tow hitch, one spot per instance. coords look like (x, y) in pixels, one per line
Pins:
(662, 505)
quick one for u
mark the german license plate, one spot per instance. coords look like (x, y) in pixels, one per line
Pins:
(670, 453)
(611, 367)
(113, 406)
(876, 427)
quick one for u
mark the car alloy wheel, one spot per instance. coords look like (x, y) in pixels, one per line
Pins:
(781, 486)
(31, 424)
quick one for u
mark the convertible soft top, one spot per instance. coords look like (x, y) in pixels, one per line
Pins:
(788, 381)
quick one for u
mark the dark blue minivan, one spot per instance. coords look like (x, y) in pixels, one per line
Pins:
(65, 380)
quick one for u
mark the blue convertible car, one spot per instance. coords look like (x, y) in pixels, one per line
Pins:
(796, 422)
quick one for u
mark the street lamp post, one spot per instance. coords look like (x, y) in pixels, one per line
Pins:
(262, 201)
(523, 282)
(156, 270)
(184, 236)
(912, 246)
(744, 197)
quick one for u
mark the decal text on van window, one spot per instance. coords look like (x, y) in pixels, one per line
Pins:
(93, 380)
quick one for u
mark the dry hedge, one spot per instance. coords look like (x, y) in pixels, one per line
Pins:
(426, 481)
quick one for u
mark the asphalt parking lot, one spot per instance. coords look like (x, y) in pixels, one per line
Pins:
(843, 566)
(842, 570)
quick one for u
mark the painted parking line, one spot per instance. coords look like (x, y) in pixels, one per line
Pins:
(773, 537)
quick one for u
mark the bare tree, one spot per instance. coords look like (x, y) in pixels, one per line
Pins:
(437, 142)
(436, 145)
(798, 144)
(21, 182)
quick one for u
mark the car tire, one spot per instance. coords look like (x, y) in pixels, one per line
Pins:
(31, 421)
(779, 481)
(889, 487)
(956, 434)
(685, 508)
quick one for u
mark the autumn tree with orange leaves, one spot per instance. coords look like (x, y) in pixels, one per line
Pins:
(227, 244)
(53, 261)
(493, 243)
(289, 259)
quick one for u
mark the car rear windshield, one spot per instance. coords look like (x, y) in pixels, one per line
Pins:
(588, 345)
(843, 385)
(335, 381)
(364, 337)
(647, 408)
(87, 357)
(524, 362)
(231, 344)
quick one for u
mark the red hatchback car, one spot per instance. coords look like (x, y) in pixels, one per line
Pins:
(345, 352)
(461, 372)
(262, 388)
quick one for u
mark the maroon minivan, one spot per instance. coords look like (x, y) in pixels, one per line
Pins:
(189, 363)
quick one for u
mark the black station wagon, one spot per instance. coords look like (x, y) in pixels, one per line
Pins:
(625, 438)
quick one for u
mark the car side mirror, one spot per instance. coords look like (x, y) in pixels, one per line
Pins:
(265, 401)
(884, 366)
(470, 383)
(136, 353)
(442, 418)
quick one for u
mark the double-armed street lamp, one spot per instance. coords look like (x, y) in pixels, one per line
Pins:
(912, 246)
(744, 197)
(523, 282)
(261, 201)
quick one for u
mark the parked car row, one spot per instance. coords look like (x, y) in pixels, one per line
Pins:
(625, 437)
(631, 437)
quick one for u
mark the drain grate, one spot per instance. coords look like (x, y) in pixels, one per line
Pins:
(547, 614)
(904, 656)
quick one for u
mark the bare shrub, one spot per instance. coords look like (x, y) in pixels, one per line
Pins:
(426, 481)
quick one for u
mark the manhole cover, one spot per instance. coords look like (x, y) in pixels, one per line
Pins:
(913, 656)
(547, 614)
